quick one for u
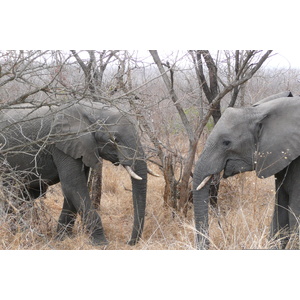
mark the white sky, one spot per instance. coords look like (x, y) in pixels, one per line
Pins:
(286, 58)
(99, 25)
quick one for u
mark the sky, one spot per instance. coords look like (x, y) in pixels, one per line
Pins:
(286, 58)
(99, 25)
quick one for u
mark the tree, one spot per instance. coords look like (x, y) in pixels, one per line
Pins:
(27, 73)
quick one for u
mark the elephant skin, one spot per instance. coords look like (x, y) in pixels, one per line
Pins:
(264, 138)
(61, 143)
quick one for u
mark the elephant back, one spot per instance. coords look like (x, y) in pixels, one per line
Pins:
(24, 125)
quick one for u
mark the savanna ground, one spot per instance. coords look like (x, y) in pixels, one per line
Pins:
(241, 220)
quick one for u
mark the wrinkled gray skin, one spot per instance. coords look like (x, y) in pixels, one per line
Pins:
(61, 144)
(264, 138)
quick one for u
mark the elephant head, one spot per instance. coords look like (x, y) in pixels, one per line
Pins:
(91, 130)
(264, 138)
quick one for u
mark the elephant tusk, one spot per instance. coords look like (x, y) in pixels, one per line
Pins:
(151, 172)
(203, 183)
(132, 174)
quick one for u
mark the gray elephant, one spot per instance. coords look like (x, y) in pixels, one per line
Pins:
(264, 138)
(61, 143)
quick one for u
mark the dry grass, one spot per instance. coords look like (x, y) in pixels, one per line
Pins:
(241, 220)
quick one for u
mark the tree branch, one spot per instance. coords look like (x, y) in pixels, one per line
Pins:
(81, 63)
(174, 97)
(227, 89)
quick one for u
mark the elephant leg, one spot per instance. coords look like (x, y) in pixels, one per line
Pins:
(280, 219)
(66, 220)
(294, 212)
(37, 189)
(73, 176)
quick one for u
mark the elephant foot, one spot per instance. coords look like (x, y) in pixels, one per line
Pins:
(99, 240)
(64, 232)
(202, 243)
(62, 235)
(132, 242)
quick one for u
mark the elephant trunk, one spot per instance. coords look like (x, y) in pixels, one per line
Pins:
(201, 195)
(139, 190)
(201, 201)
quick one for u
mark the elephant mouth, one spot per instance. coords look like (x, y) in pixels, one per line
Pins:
(230, 168)
(236, 166)
(227, 170)
(116, 162)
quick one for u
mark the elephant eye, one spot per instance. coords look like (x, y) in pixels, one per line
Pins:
(113, 140)
(226, 143)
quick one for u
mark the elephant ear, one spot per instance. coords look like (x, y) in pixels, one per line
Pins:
(272, 97)
(73, 135)
(277, 135)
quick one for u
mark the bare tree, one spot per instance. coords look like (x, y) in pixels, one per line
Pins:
(26, 73)
(209, 86)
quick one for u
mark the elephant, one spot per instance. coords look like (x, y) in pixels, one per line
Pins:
(52, 144)
(264, 138)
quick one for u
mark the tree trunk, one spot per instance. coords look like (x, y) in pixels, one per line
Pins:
(181, 188)
(95, 184)
(184, 187)
(214, 190)
(170, 192)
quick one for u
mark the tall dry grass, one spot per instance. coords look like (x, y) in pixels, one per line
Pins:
(241, 220)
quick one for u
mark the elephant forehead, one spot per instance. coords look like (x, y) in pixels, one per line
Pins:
(231, 118)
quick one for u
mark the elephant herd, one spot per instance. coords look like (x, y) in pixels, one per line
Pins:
(52, 144)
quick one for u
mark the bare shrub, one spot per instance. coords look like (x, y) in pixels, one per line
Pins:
(24, 222)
